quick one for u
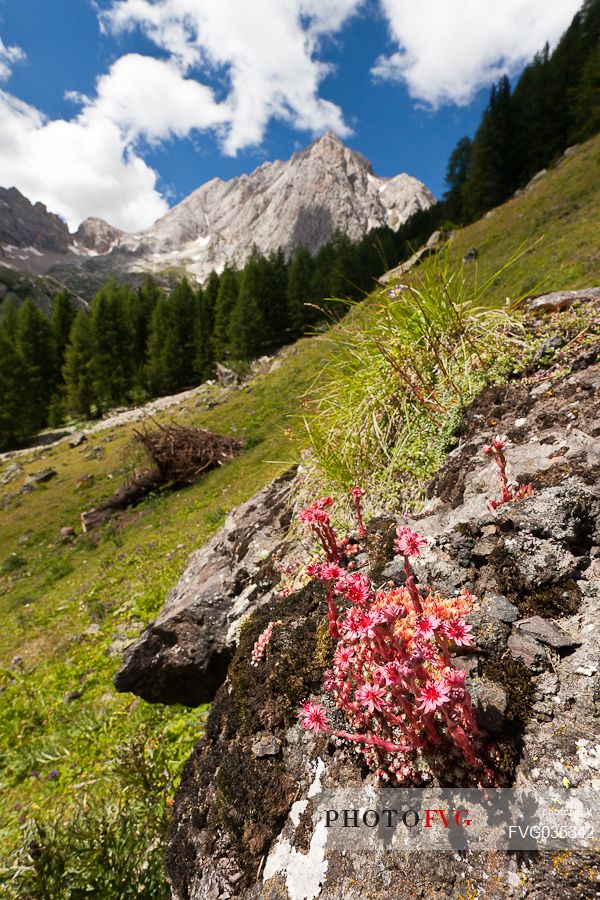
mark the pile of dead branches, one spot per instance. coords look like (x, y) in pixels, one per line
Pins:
(172, 456)
(181, 454)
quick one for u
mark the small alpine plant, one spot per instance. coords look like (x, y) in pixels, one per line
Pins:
(393, 680)
(508, 493)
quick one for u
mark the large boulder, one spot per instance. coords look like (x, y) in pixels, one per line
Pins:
(182, 657)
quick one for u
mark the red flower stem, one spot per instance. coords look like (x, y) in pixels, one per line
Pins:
(411, 587)
(332, 614)
(370, 740)
(361, 528)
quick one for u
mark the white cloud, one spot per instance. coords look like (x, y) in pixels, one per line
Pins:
(266, 52)
(78, 168)
(89, 165)
(8, 56)
(447, 50)
(149, 97)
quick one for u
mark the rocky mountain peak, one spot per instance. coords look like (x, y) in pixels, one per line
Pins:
(303, 201)
(24, 224)
(97, 235)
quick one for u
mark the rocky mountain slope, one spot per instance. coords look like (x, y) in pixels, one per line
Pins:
(33, 240)
(243, 818)
(282, 204)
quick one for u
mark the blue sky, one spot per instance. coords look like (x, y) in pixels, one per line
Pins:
(120, 108)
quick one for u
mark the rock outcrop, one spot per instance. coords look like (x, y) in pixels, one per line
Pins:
(243, 816)
(182, 657)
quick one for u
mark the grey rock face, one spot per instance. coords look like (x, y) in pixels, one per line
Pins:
(10, 473)
(34, 240)
(182, 657)
(546, 632)
(24, 224)
(41, 477)
(559, 300)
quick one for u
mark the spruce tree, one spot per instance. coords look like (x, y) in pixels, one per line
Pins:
(204, 358)
(14, 419)
(246, 323)
(300, 273)
(166, 366)
(79, 368)
(225, 301)
(457, 173)
(140, 308)
(61, 320)
(8, 320)
(271, 295)
(112, 336)
(183, 303)
(493, 174)
(35, 346)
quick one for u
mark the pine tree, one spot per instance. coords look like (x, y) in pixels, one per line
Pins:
(588, 101)
(345, 274)
(300, 273)
(8, 320)
(493, 175)
(225, 301)
(321, 279)
(140, 308)
(61, 320)
(246, 323)
(166, 366)
(457, 173)
(35, 346)
(112, 336)
(271, 296)
(183, 303)
(14, 421)
(78, 369)
(204, 358)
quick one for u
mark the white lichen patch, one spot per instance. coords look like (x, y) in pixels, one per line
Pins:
(304, 872)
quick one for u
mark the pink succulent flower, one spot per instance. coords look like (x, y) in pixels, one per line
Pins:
(393, 611)
(427, 626)
(262, 644)
(454, 677)
(392, 667)
(408, 543)
(393, 673)
(313, 716)
(343, 657)
(433, 695)
(371, 696)
(458, 631)
(330, 572)
(356, 588)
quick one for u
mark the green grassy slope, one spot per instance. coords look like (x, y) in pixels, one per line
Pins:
(562, 212)
(51, 593)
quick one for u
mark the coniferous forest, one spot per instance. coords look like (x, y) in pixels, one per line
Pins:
(133, 344)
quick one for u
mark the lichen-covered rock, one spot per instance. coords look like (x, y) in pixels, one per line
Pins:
(243, 821)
